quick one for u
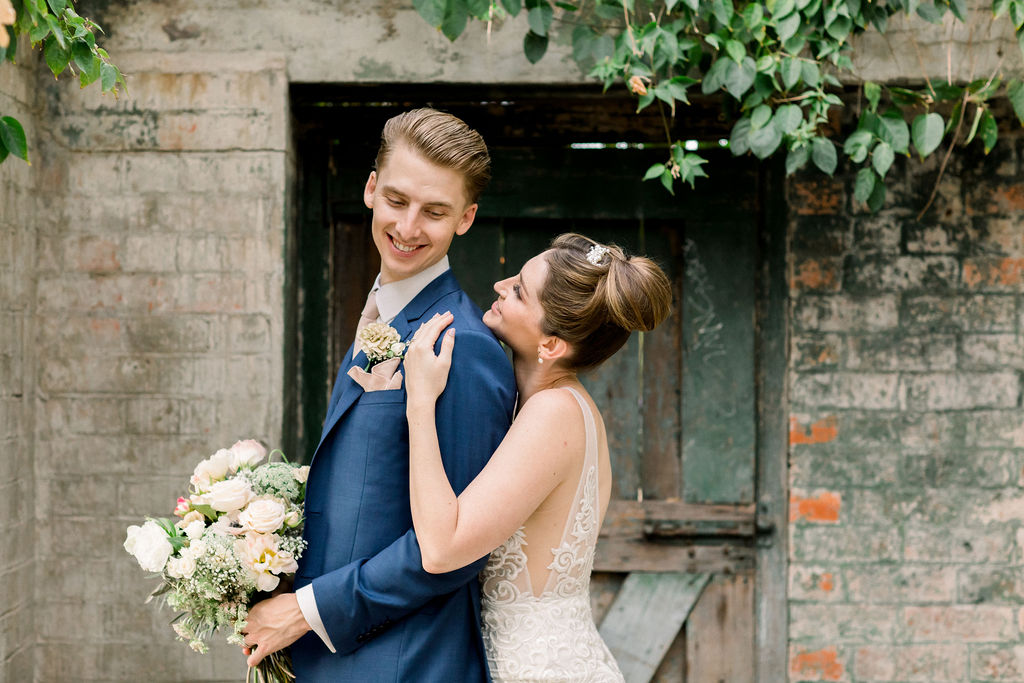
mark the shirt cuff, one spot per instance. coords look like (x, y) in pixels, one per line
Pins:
(307, 605)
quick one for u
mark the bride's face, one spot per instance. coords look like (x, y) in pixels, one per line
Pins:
(515, 318)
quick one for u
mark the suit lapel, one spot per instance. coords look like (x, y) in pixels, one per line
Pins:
(403, 323)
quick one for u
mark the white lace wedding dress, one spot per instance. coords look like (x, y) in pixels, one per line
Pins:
(549, 636)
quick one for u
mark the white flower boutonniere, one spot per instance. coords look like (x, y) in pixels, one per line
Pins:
(380, 342)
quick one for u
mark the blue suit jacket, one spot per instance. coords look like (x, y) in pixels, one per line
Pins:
(387, 618)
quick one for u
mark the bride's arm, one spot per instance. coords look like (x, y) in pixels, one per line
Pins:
(535, 456)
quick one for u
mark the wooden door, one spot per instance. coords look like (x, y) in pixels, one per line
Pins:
(675, 575)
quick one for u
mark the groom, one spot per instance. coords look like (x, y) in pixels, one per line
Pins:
(364, 609)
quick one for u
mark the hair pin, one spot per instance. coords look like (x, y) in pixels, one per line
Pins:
(596, 253)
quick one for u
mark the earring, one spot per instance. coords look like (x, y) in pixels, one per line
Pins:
(539, 359)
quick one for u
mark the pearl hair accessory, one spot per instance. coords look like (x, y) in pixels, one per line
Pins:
(596, 253)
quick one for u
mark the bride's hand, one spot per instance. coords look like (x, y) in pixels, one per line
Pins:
(426, 374)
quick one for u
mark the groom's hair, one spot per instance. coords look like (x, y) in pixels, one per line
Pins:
(443, 139)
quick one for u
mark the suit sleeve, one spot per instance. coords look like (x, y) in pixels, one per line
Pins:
(473, 414)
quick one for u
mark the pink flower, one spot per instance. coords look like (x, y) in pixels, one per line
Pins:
(183, 506)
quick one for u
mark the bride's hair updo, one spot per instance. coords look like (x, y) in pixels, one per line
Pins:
(596, 305)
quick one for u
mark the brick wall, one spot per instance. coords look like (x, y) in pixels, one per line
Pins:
(17, 285)
(906, 442)
(159, 320)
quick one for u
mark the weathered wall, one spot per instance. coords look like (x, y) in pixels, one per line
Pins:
(906, 437)
(142, 305)
(159, 326)
(18, 200)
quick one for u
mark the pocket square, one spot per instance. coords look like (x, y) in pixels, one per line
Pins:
(383, 376)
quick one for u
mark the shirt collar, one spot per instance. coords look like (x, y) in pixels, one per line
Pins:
(394, 296)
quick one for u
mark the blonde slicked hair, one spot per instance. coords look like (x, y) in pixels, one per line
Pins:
(443, 139)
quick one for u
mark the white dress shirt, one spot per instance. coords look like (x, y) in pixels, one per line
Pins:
(391, 299)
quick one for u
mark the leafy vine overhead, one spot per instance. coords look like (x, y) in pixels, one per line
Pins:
(68, 43)
(778, 61)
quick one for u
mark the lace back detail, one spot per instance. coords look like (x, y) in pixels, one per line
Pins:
(531, 638)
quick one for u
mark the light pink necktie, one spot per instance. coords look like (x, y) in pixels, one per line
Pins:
(369, 315)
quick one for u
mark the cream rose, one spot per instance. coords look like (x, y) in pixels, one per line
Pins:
(181, 567)
(193, 516)
(195, 529)
(263, 516)
(246, 454)
(301, 474)
(212, 470)
(294, 518)
(230, 495)
(149, 545)
(376, 339)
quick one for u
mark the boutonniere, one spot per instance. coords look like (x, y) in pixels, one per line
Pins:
(380, 342)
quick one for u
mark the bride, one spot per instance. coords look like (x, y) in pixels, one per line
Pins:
(542, 497)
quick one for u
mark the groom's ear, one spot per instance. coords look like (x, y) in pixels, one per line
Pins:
(371, 186)
(466, 220)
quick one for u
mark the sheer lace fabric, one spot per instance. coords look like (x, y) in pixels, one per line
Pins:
(549, 636)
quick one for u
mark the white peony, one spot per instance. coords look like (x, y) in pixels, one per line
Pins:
(263, 516)
(228, 496)
(246, 454)
(264, 560)
(212, 470)
(149, 545)
(301, 474)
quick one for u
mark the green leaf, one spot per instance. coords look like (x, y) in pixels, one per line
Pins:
(654, 171)
(766, 64)
(959, 9)
(540, 19)
(840, 28)
(810, 73)
(108, 76)
(534, 46)
(91, 74)
(974, 126)
(882, 158)
(431, 10)
(677, 88)
(796, 159)
(666, 180)
(930, 13)
(58, 32)
(206, 511)
(989, 131)
(788, 117)
(13, 137)
(513, 7)
(895, 131)
(82, 54)
(57, 57)
(715, 76)
(736, 50)
(455, 19)
(877, 198)
(1015, 93)
(3, 151)
(823, 154)
(864, 184)
(790, 72)
(739, 139)
(1017, 14)
(39, 31)
(764, 141)
(786, 27)
(783, 7)
(723, 11)
(644, 101)
(760, 116)
(480, 9)
(690, 168)
(856, 145)
(739, 77)
(872, 92)
(926, 132)
(753, 15)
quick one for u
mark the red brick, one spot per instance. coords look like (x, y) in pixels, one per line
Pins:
(816, 196)
(960, 623)
(822, 507)
(926, 663)
(816, 665)
(816, 275)
(822, 431)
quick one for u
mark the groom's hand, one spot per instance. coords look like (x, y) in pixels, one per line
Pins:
(273, 624)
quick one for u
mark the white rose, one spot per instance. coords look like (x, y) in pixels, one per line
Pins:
(263, 516)
(211, 470)
(301, 474)
(294, 518)
(247, 453)
(191, 517)
(149, 545)
(181, 567)
(230, 495)
(195, 529)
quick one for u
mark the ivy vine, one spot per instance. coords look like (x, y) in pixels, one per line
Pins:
(778, 62)
(68, 42)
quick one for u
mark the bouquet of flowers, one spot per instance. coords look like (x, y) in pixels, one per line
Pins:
(239, 532)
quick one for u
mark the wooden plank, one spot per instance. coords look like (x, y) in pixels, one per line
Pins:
(661, 467)
(720, 632)
(772, 612)
(718, 362)
(645, 618)
(631, 518)
(621, 555)
(477, 259)
(673, 665)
